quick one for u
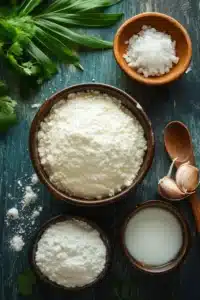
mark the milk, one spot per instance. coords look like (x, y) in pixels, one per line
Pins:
(153, 236)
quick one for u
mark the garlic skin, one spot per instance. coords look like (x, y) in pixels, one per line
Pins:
(187, 178)
(168, 189)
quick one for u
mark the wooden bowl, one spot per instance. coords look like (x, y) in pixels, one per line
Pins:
(174, 263)
(128, 102)
(61, 218)
(163, 23)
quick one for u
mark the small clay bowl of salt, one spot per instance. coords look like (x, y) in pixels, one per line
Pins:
(141, 62)
(70, 253)
(156, 237)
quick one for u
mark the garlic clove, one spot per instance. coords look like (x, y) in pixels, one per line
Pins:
(187, 178)
(168, 189)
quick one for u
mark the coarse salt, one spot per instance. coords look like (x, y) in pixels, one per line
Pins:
(151, 53)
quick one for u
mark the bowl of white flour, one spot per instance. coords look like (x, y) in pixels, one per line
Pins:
(70, 252)
(91, 144)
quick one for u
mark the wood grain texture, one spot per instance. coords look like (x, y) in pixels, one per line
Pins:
(178, 101)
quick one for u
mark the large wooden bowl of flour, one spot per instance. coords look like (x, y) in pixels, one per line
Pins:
(129, 105)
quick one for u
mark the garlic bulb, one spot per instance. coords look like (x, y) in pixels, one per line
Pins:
(187, 178)
(168, 189)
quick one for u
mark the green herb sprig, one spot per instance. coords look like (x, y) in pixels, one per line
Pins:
(26, 281)
(8, 116)
(33, 37)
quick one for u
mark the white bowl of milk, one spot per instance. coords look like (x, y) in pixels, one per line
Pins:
(156, 237)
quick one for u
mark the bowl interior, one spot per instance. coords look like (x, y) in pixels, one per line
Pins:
(61, 218)
(128, 102)
(161, 23)
(183, 250)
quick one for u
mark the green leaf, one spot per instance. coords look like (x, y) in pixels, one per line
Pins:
(23, 24)
(28, 6)
(3, 89)
(56, 47)
(48, 67)
(69, 35)
(79, 5)
(7, 32)
(84, 19)
(32, 43)
(7, 113)
(16, 49)
(29, 68)
(25, 282)
(26, 68)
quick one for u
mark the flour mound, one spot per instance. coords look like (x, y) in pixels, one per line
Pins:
(71, 253)
(17, 243)
(90, 145)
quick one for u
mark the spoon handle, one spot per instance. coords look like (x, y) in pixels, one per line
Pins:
(194, 199)
(195, 203)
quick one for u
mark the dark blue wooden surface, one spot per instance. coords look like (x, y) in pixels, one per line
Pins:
(179, 101)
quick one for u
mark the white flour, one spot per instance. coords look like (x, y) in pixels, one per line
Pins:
(23, 216)
(91, 146)
(34, 179)
(71, 253)
(13, 213)
(29, 196)
(17, 243)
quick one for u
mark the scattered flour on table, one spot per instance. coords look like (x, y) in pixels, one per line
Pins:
(71, 253)
(13, 213)
(29, 196)
(90, 145)
(19, 183)
(23, 215)
(17, 243)
(36, 105)
(36, 213)
(34, 179)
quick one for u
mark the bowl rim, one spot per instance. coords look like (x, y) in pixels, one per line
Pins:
(62, 218)
(151, 80)
(36, 161)
(181, 255)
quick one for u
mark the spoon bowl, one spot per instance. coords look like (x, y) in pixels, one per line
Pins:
(178, 142)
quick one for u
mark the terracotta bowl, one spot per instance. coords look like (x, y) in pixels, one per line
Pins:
(162, 23)
(173, 264)
(128, 102)
(62, 218)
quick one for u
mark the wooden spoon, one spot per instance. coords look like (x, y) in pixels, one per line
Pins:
(178, 144)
